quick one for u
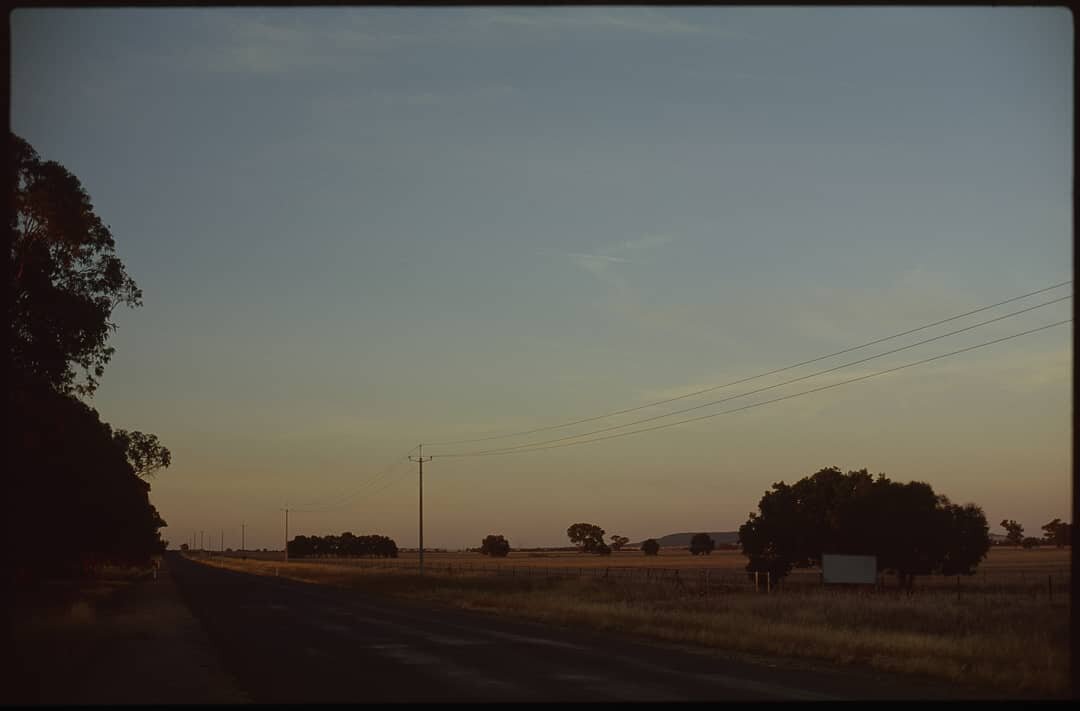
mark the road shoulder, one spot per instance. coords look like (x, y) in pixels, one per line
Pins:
(140, 645)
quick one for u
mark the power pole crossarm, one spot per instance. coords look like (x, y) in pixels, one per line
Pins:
(421, 460)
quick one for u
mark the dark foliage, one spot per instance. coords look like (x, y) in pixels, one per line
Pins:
(702, 544)
(344, 546)
(495, 546)
(588, 537)
(910, 529)
(76, 497)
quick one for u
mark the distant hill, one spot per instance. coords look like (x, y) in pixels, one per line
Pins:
(682, 540)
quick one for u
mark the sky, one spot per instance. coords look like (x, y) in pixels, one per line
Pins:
(360, 229)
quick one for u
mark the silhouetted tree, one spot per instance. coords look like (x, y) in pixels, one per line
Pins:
(345, 545)
(588, 537)
(67, 277)
(909, 528)
(702, 544)
(1057, 533)
(74, 487)
(144, 452)
(650, 547)
(495, 546)
(1031, 542)
(76, 481)
(1014, 532)
(183, 546)
(617, 542)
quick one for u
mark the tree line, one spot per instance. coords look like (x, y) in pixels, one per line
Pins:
(1055, 533)
(77, 488)
(907, 527)
(344, 546)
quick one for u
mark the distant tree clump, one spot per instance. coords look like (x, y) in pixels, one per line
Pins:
(650, 547)
(588, 537)
(702, 544)
(1031, 542)
(910, 529)
(1014, 532)
(344, 546)
(617, 542)
(1057, 533)
(495, 546)
(183, 546)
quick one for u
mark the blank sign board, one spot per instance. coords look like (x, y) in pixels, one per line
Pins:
(861, 569)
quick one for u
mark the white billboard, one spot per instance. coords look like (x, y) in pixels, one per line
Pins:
(859, 569)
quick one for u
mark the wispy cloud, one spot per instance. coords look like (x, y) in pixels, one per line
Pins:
(273, 43)
(650, 241)
(599, 263)
(636, 20)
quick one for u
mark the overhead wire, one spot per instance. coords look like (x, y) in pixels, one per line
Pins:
(314, 507)
(747, 379)
(762, 389)
(767, 402)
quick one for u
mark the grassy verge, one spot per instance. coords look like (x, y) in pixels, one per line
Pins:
(1009, 642)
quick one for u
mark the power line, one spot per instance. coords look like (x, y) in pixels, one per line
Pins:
(753, 377)
(313, 504)
(767, 402)
(768, 387)
(344, 500)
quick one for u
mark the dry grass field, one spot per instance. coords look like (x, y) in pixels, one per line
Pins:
(1006, 569)
(1015, 639)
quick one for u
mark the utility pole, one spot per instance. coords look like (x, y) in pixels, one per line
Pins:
(286, 534)
(202, 540)
(421, 460)
(242, 549)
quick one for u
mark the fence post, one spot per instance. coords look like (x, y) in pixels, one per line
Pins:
(768, 582)
(756, 588)
(706, 582)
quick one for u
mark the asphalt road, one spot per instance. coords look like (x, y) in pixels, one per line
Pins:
(285, 641)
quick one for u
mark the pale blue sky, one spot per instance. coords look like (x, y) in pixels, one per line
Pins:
(359, 228)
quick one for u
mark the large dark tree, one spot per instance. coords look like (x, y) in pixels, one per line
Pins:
(495, 546)
(702, 544)
(650, 547)
(589, 538)
(910, 529)
(67, 278)
(74, 496)
(73, 483)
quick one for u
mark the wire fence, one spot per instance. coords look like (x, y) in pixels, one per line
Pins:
(1047, 585)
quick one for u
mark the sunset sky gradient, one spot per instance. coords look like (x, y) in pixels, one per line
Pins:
(358, 229)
